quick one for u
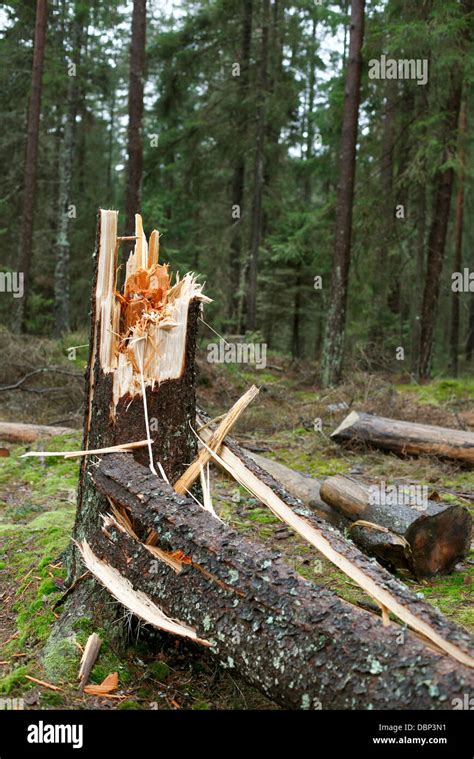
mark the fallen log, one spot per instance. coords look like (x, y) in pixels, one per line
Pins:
(406, 438)
(422, 538)
(302, 486)
(300, 644)
(28, 433)
(389, 593)
(425, 537)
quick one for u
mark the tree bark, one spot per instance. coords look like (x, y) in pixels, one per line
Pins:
(25, 253)
(258, 179)
(424, 538)
(458, 234)
(238, 180)
(333, 348)
(424, 542)
(300, 644)
(406, 438)
(66, 162)
(152, 326)
(443, 192)
(135, 116)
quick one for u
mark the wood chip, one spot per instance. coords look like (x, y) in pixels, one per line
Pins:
(43, 683)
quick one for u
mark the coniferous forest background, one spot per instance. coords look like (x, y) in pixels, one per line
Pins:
(313, 198)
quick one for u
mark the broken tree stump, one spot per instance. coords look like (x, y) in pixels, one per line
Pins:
(300, 644)
(426, 538)
(406, 438)
(141, 374)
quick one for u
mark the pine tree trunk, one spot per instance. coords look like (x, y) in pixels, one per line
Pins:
(419, 276)
(458, 234)
(443, 192)
(238, 181)
(66, 162)
(29, 193)
(470, 331)
(135, 116)
(438, 232)
(258, 179)
(335, 327)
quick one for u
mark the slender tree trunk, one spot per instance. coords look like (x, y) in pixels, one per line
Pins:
(443, 192)
(238, 181)
(110, 152)
(438, 233)
(420, 270)
(335, 327)
(29, 193)
(458, 230)
(296, 341)
(470, 331)
(258, 182)
(296, 326)
(387, 212)
(66, 162)
(135, 116)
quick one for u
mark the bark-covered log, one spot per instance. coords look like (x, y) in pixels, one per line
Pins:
(406, 438)
(14, 432)
(389, 593)
(300, 644)
(424, 537)
(302, 486)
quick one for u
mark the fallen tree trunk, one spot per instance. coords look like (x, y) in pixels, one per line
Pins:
(300, 644)
(302, 486)
(424, 537)
(406, 438)
(389, 593)
(28, 433)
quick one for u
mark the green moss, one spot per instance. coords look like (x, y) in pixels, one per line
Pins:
(17, 677)
(51, 699)
(201, 705)
(83, 625)
(263, 516)
(441, 391)
(159, 670)
(61, 660)
(128, 705)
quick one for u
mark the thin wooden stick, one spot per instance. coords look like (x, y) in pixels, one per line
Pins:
(215, 440)
(43, 683)
(122, 448)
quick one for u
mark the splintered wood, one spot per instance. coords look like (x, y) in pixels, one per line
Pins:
(145, 326)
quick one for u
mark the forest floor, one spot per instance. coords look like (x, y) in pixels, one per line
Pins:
(37, 503)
